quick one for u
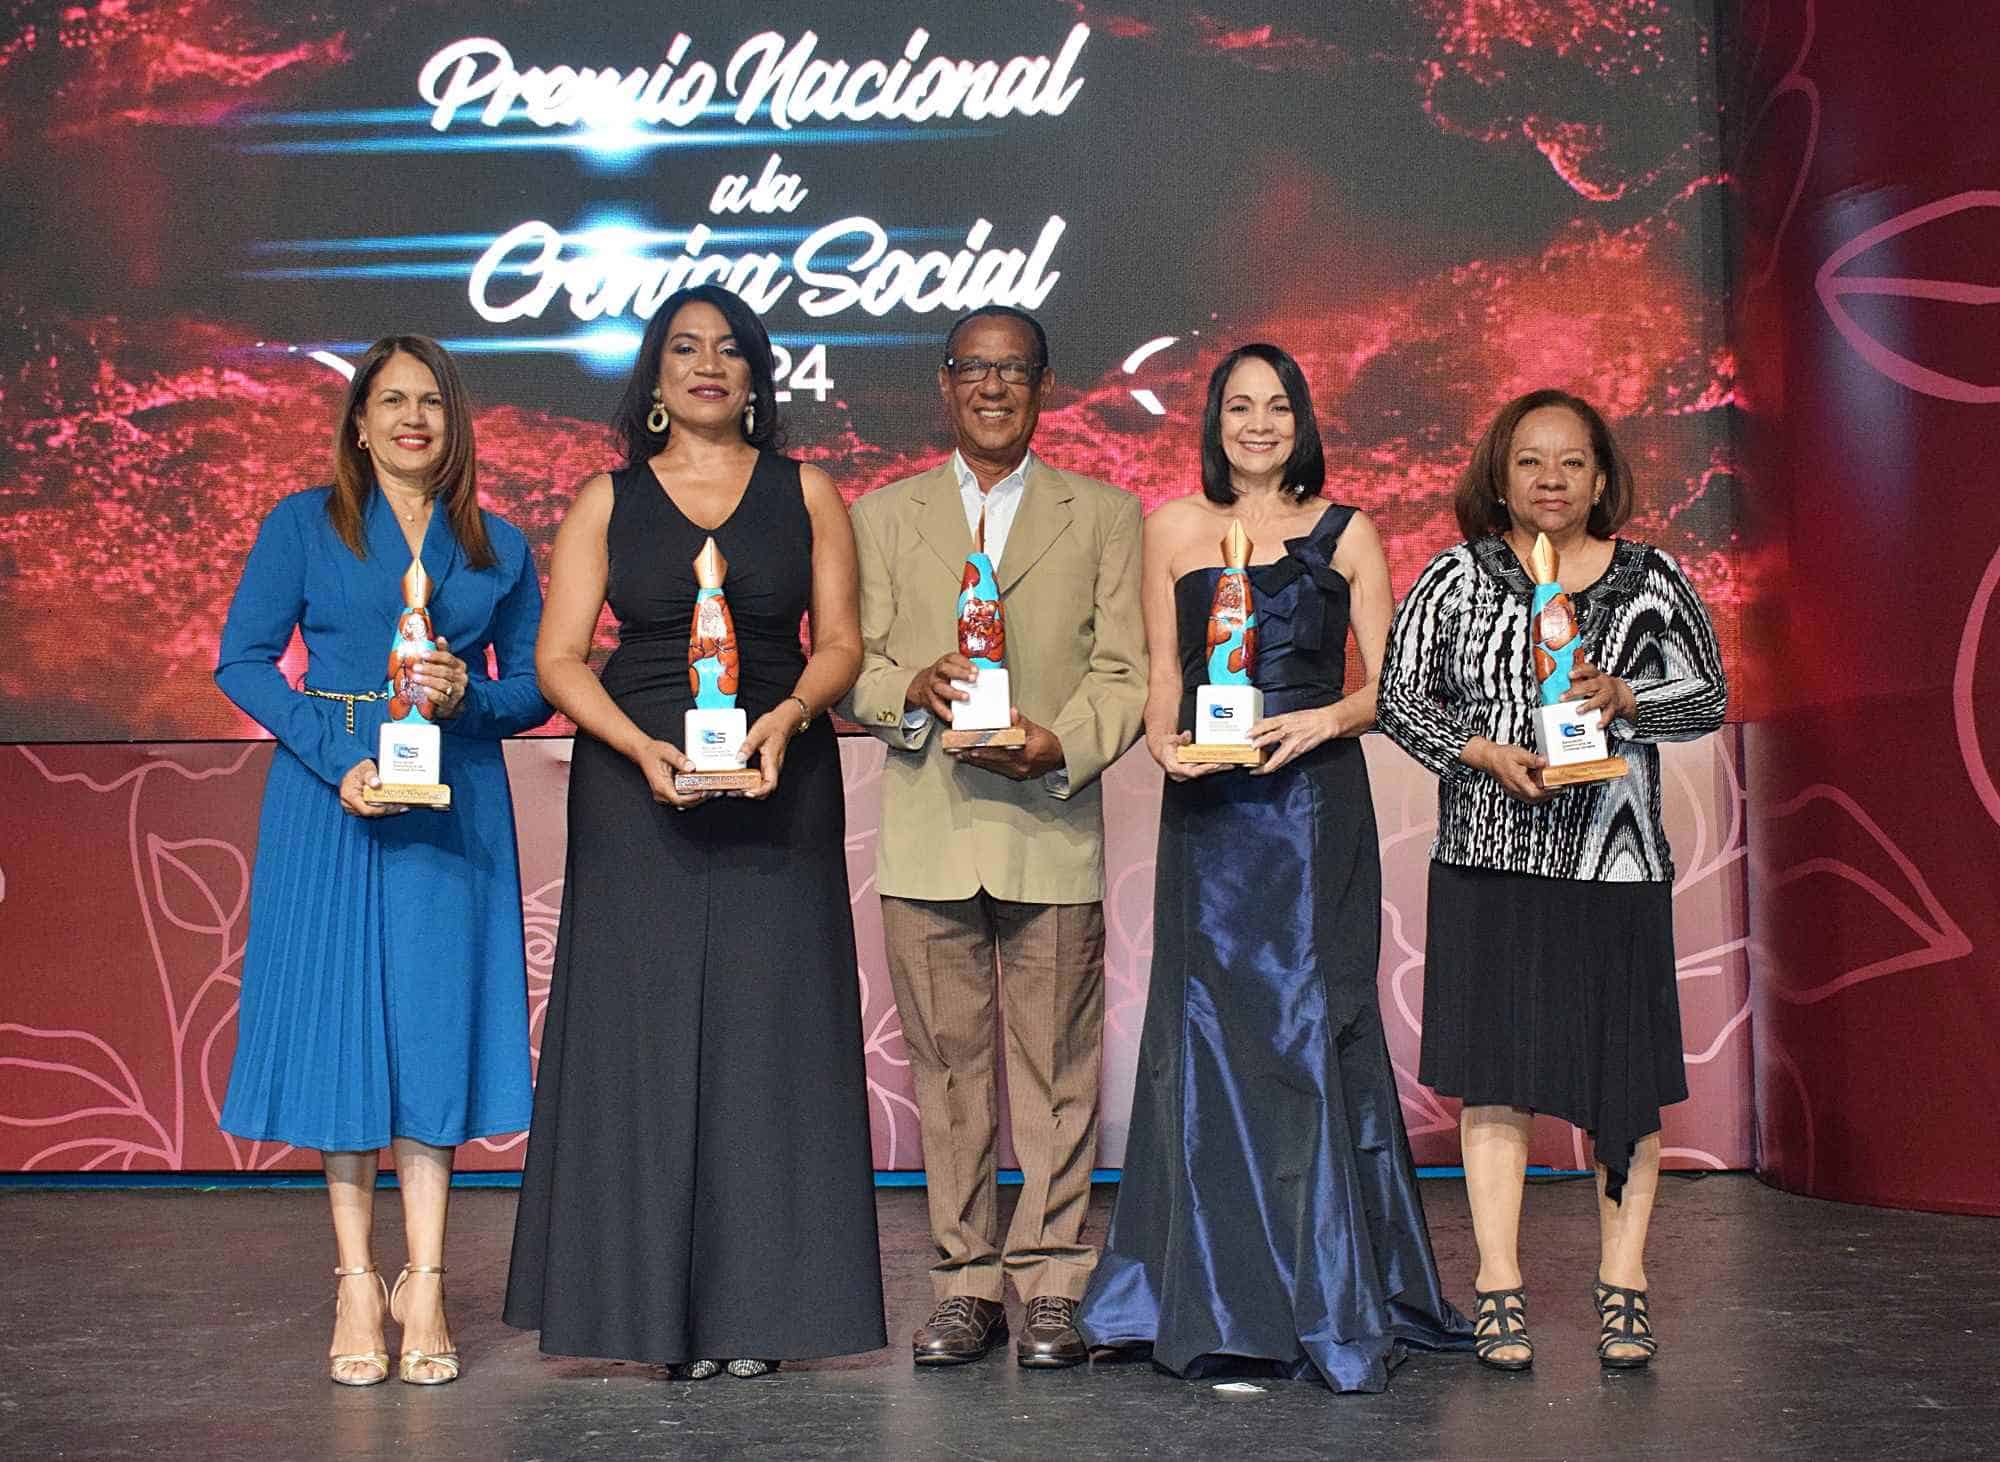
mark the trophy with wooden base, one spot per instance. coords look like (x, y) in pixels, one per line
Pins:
(987, 719)
(409, 754)
(1228, 705)
(715, 728)
(1576, 746)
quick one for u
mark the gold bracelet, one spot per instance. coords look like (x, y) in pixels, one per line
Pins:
(805, 712)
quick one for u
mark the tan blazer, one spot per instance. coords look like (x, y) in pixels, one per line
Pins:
(1076, 663)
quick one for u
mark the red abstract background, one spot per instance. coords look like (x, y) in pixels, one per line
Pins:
(146, 425)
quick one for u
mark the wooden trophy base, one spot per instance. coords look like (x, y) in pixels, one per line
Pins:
(1604, 769)
(1227, 754)
(735, 779)
(998, 736)
(409, 794)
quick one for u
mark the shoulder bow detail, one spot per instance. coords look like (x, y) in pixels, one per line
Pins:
(1304, 558)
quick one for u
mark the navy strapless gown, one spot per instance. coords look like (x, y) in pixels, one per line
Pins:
(1269, 1210)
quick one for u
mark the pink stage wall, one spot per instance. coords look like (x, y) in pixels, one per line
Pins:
(124, 898)
(1870, 392)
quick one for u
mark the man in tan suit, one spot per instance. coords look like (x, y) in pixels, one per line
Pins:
(1000, 852)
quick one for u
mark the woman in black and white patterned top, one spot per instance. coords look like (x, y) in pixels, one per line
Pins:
(1549, 980)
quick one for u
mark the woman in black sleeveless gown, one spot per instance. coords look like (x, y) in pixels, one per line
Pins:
(699, 1185)
(1268, 1212)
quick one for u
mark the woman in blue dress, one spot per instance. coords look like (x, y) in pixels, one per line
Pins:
(384, 987)
(1268, 1214)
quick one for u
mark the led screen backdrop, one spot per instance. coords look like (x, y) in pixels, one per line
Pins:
(214, 204)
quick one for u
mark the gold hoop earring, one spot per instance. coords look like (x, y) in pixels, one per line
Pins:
(750, 419)
(656, 419)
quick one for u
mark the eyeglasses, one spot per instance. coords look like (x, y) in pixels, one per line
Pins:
(970, 370)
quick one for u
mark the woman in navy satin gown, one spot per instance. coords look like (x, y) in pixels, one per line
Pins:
(1268, 1211)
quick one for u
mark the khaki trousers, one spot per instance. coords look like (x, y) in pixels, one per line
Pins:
(1051, 966)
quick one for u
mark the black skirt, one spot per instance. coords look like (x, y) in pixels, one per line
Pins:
(1557, 995)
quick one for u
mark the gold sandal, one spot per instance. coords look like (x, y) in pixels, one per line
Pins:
(379, 1359)
(408, 1362)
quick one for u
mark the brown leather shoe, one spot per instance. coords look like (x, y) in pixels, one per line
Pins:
(962, 1328)
(1049, 1340)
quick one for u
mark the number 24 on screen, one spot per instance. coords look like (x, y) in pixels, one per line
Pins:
(807, 374)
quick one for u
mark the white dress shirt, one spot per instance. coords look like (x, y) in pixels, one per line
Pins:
(999, 502)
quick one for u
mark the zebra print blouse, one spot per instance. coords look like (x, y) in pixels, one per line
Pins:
(1458, 666)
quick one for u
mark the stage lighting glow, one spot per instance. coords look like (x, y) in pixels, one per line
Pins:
(620, 143)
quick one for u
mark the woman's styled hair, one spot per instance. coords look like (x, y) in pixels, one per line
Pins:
(1480, 502)
(635, 404)
(454, 481)
(1305, 469)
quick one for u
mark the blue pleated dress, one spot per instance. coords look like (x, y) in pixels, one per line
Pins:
(384, 984)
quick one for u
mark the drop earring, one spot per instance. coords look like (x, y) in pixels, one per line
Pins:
(750, 418)
(656, 419)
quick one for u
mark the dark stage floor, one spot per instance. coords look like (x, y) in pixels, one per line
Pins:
(186, 1324)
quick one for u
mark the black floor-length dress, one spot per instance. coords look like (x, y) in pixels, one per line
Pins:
(698, 1178)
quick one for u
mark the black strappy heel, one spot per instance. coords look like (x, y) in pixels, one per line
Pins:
(1623, 1313)
(1500, 1320)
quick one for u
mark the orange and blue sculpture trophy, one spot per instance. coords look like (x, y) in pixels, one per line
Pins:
(1229, 705)
(410, 752)
(715, 728)
(987, 719)
(1577, 747)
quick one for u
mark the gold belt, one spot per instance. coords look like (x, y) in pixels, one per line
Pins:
(349, 698)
